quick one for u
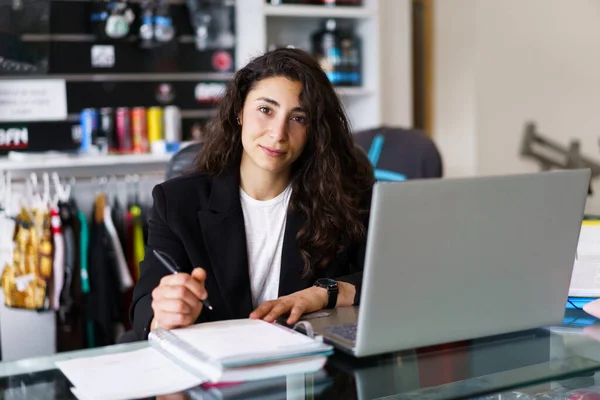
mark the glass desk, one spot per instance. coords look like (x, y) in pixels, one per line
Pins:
(538, 364)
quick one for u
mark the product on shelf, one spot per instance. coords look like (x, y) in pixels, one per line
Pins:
(111, 19)
(212, 24)
(123, 124)
(139, 133)
(155, 124)
(172, 128)
(338, 52)
(164, 31)
(105, 131)
(89, 125)
(130, 130)
(146, 31)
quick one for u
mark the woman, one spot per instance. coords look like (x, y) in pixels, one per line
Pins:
(278, 203)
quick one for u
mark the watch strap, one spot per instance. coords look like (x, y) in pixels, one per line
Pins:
(332, 293)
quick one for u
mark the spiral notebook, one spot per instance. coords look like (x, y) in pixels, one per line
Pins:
(242, 349)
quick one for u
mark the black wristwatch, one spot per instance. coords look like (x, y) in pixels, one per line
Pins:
(332, 290)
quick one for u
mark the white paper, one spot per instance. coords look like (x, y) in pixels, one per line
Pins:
(219, 340)
(585, 280)
(24, 100)
(136, 374)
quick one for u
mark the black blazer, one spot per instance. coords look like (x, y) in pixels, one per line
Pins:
(198, 221)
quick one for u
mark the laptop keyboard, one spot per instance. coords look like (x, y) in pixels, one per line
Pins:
(347, 331)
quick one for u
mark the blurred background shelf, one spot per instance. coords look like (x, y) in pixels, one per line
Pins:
(354, 91)
(84, 166)
(318, 11)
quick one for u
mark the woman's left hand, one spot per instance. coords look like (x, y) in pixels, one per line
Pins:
(296, 304)
(303, 302)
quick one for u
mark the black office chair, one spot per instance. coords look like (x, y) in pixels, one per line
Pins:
(183, 161)
(407, 152)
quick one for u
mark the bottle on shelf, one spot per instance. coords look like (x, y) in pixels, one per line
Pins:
(127, 130)
(350, 70)
(105, 132)
(338, 52)
(172, 126)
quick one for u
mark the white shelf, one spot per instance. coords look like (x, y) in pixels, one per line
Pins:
(261, 25)
(285, 10)
(353, 91)
(86, 166)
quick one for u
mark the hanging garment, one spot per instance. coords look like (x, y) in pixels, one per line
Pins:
(83, 253)
(67, 222)
(70, 318)
(25, 282)
(129, 253)
(104, 306)
(83, 273)
(138, 238)
(58, 265)
(125, 279)
(118, 217)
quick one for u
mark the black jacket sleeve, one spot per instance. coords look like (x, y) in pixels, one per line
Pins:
(160, 237)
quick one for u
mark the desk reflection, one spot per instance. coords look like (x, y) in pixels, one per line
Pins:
(292, 387)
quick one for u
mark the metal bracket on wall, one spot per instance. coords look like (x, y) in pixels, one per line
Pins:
(553, 155)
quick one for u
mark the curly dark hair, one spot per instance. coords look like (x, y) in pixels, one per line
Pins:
(331, 183)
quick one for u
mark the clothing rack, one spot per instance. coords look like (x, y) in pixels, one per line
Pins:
(124, 188)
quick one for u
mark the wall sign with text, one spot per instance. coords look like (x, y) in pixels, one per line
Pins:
(23, 100)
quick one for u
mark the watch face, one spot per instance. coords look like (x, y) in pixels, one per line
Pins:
(326, 282)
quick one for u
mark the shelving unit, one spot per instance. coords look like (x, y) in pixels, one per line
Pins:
(261, 25)
(86, 166)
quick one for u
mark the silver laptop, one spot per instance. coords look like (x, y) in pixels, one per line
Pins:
(456, 259)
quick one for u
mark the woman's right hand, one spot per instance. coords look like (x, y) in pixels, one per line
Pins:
(176, 300)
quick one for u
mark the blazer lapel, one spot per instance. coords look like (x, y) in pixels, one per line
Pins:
(291, 261)
(222, 226)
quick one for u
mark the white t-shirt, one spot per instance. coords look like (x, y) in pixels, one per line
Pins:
(264, 221)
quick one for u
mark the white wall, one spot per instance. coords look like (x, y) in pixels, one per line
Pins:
(395, 34)
(454, 83)
(500, 63)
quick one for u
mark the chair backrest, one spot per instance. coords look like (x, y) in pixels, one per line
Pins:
(183, 161)
(408, 152)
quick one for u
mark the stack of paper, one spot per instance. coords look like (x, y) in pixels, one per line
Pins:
(242, 349)
(227, 351)
(132, 375)
(585, 281)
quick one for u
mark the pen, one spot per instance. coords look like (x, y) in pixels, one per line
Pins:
(170, 264)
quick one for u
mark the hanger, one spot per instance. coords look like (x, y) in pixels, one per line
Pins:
(46, 192)
(60, 192)
(8, 194)
(33, 194)
(100, 201)
(136, 198)
(113, 188)
(70, 188)
(5, 193)
(129, 192)
(103, 183)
